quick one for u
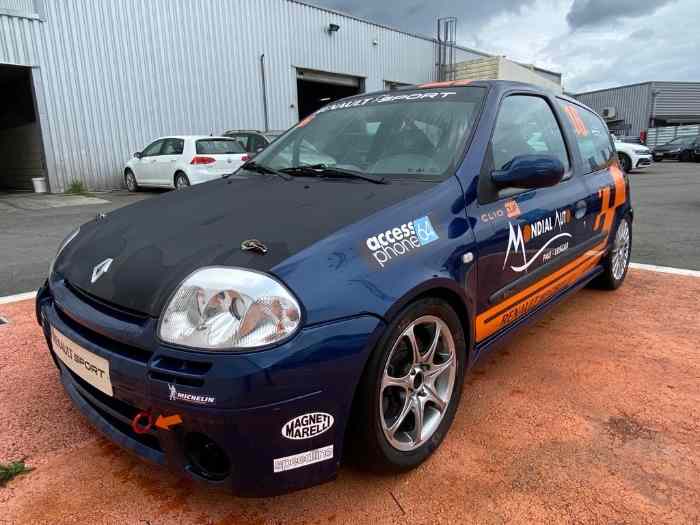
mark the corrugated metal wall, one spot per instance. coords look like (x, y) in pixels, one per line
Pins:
(110, 79)
(662, 135)
(25, 6)
(677, 99)
(632, 105)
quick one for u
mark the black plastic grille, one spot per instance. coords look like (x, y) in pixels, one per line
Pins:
(130, 352)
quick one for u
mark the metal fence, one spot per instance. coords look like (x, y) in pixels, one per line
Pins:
(659, 136)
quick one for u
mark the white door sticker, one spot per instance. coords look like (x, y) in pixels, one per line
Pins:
(301, 460)
(90, 367)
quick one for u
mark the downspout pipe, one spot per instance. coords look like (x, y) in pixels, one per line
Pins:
(264, 92)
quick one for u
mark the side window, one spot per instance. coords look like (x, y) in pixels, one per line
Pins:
(173, 147)
(257, 142)
(526, 125)
(592, 136)
(152, 149)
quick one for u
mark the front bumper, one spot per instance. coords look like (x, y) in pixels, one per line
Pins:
(255, 393)
(643, 161)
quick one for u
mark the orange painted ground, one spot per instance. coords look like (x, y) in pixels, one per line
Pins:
(591, 416)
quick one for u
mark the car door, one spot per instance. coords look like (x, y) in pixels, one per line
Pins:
(525, 238)
(145, 167)
(165, 162)
(606, 183)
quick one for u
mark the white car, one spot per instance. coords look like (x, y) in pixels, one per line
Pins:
(632, 156)
(180, 161)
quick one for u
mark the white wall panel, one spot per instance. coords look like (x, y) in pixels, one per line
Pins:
(112, 75)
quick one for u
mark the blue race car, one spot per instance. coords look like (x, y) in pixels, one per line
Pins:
(331, 294)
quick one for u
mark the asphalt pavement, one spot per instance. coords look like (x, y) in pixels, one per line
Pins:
(32, 227)
(666, 199)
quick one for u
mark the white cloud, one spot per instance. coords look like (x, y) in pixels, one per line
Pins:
(594, 43)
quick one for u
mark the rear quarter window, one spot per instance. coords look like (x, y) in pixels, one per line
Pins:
(219, 147)
(592, 137)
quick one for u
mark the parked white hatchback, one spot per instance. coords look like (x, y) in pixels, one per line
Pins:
(178, 162)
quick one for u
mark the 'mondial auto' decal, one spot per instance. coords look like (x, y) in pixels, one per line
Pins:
(400, 240)
(303, 459)
(307, 425)
(175, 395)
(518, 237)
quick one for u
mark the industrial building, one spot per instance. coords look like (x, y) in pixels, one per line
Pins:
(85, 84)
(632, 110)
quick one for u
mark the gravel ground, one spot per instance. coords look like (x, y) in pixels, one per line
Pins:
(590, 416)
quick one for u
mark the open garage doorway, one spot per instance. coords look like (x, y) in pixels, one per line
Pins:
(20, 135)
(315, 89)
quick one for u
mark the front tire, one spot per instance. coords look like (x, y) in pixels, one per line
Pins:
(411, 388)
(616, 262)
(625, 162)
(684, 157)
(181, 181)
(130, 181)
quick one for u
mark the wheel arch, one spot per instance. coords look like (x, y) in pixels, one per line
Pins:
(441, 288)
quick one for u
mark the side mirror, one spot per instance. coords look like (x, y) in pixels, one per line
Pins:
(529, 171)
(138, 154)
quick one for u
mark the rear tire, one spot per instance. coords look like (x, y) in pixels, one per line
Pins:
(625, 162)
(130, 181)
(685, 157)
(409, 394)
(616, 262)
(181, 181)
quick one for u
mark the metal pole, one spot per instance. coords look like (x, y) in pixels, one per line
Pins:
(264, 91)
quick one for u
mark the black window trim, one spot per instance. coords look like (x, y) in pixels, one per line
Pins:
(570, 173)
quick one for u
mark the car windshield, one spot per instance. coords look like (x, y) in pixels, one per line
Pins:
(219, 147)
(413, 134)
(681, 141)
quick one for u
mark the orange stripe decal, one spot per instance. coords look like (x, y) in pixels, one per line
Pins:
(515, 307)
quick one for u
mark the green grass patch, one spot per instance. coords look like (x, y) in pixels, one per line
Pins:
(11, 470)
(77, 187)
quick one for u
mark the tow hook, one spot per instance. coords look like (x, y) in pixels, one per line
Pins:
(142, 422)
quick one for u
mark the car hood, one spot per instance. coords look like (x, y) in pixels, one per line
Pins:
(155, 244)
(669, 147)
(628, 147)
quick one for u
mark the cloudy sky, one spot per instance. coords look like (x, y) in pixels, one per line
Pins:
(594, 43)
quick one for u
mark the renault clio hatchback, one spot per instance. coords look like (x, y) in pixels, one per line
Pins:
(331, 294)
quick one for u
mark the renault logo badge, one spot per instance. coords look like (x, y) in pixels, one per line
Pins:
(254, 245)
(101, 269)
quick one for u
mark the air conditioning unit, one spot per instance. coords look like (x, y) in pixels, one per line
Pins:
(609, 113)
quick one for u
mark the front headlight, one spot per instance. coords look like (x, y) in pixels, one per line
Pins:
(642, 151)
(229, 308)
(62, 247)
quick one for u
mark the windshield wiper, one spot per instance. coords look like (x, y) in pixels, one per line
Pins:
(325, 171)
(259, 168)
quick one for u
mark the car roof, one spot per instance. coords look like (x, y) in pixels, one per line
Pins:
(193, 137)
(245, 131)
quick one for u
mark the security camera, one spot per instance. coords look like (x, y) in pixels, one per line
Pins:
(333, 28)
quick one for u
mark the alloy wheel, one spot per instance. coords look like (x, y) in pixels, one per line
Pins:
(181, 183)
(130, 181)
(417, 383)
(621, 250)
